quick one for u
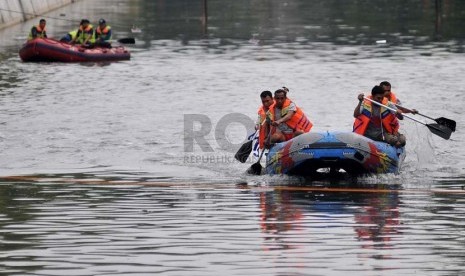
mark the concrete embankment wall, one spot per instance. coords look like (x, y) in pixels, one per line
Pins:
(16, 11)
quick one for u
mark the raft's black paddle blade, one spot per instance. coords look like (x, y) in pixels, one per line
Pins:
(447, 122)
(244, 151)
(127, 40)
(255, 169)
(440, 130)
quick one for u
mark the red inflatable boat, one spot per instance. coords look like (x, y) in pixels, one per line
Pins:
(46, 49)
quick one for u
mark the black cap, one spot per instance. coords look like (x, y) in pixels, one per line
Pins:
(83, 21)
(102, 21)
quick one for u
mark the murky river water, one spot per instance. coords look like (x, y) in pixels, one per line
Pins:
(97, 175)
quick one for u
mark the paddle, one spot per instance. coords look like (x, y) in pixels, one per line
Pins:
(127, 40)
(442, 121)
(256, 168)
(440, 130)
(244, 151)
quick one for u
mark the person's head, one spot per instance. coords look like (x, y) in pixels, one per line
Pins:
(42, 23)
(85, 23)
(267, 98)
(386, 87)
(377, 93)
(102, 23)
(280, 97)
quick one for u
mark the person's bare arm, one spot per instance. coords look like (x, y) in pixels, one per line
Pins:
(285, 118)
(357, 108)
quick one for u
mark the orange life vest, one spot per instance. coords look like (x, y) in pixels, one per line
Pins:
(40, 32)
(261, 131)
(39, 29)
(388, 119)
(297, 122)
(103, 31)
(87, 29)
(393, 98)
(103, 34)
(85, 33)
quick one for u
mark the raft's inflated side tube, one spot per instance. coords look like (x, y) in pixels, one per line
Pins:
(355, 154)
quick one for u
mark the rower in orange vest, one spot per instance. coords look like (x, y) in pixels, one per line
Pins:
(103, 34)
(267, 101)
(376, 122)
(85, 35)
(287, 120)
(392, 97)
(38, 31)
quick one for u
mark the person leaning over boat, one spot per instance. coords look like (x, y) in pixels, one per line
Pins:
(103, 34)
(85, 35)
(376, 122)
(67, 38)
(267, 101)
(392, 97)
(38, 31)
(287, 120)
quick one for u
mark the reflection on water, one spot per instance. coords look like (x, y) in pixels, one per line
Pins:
(278, 216)
(379, 221)
(374, 217)
(147, 227)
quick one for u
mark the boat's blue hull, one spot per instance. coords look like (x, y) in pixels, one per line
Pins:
(311, 152)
